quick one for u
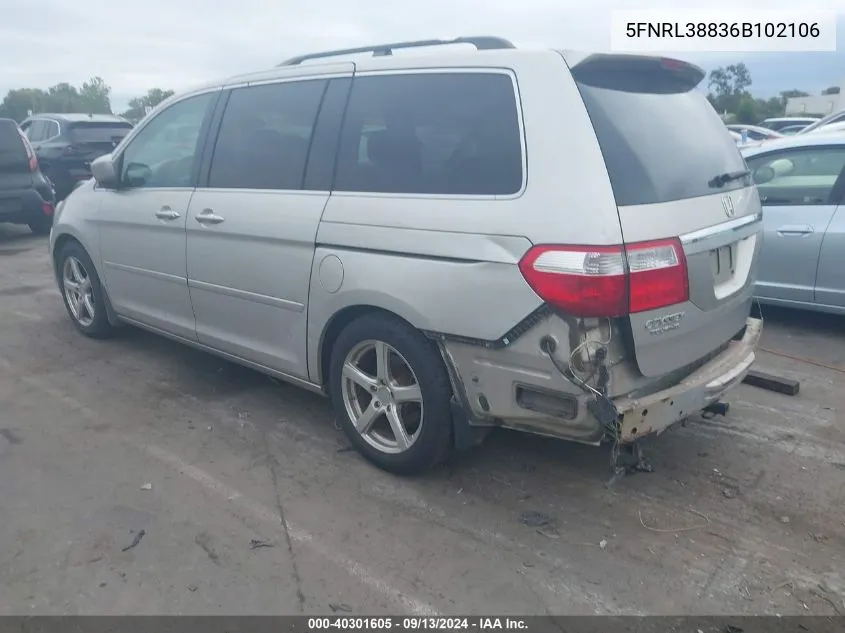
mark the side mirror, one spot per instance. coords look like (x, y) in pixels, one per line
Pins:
(104, 171)
(763, 175)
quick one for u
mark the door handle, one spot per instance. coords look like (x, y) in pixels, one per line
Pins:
(208, 217)
(795, 230)
(166, 213)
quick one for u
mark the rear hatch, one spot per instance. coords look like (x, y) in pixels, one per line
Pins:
(687, 208)
(17, 162)
(90, 140)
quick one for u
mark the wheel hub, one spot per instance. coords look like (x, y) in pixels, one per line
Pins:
(383, 397)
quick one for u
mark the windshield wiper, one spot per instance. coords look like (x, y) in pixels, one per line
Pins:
(722, 179)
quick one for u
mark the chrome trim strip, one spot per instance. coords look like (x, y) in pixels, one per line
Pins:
(273, 302)
(145, 272)
(718, 229)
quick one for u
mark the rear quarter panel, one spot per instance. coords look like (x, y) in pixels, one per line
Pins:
(449, 263)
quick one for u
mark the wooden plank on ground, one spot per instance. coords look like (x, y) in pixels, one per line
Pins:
(770, 382)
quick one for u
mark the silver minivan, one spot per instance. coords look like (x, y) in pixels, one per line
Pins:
(550, 241)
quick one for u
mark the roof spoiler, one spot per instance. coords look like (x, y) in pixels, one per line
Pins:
(637, 73)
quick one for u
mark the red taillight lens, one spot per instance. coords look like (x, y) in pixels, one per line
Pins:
(608, 281)
(658, 275)
(673, 64)
(47, 208)
(585, 281)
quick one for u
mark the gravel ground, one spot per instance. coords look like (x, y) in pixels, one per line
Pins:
(247, 499)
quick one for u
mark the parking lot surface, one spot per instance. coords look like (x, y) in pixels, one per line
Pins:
(250, 500)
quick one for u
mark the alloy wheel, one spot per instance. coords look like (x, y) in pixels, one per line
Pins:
(382, 396)
(78, 291)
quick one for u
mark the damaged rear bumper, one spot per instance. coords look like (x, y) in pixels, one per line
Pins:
(492, 388)
(654, 413)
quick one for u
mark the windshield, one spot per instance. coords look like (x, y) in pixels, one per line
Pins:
(661, 147)
(99, 132)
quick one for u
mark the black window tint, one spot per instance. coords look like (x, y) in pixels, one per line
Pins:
(12, 150)
(797, 177)
(431, 133)
(100, 133)
(660, 147)
(265, 135)
(36, 130)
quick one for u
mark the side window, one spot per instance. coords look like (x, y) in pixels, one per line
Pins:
(35, 132)
(797, 177)
(164, 152)
(52, 130)
(431, 133)
(265, 135)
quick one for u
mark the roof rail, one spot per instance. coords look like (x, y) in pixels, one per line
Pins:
(481, 43)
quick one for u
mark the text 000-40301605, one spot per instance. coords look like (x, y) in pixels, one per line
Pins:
(722, 30)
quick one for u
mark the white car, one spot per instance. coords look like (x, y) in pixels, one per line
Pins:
(830, 128)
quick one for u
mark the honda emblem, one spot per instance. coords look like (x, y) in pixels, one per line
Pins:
(728, 206)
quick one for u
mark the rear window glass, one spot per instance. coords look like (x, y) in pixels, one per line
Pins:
(98, 132)
(661, 147)
(431, 133)
(12, 150)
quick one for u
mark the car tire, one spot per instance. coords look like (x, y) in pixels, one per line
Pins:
(74, 266)
(414, 393)
(41, 225)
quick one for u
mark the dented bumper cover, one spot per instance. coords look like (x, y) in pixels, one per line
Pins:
(654, 413)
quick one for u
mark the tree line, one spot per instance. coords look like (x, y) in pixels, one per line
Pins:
(728, 92)
(92, 97)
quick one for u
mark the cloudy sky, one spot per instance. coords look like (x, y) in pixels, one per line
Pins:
(141, 44)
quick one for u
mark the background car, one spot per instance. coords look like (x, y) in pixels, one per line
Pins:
(754, 132)
(26, 196)
(834, 117)
(801, 182)
(65, 144)
(830, 128)
(789, 130)
(779, 123)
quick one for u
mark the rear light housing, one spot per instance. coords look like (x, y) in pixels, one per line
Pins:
(47, 208)
(30, 153)
(608, 281)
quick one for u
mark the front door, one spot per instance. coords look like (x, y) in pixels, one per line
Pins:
(795, 188)
(251, 228)
(142, 223)
(830, 281)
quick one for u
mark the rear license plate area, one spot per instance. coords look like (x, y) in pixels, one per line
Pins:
(12, 205)
(723, 263)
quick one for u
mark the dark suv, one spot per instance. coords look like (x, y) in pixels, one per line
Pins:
(65, 144)
(26, 196)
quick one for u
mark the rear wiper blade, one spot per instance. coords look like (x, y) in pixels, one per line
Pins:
(722, 179)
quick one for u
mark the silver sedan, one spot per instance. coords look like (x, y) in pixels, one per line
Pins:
(801, 181)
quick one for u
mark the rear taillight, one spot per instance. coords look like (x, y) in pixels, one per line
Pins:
(657, 275)
(608, 281)
(47, 208)
(30, 153)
